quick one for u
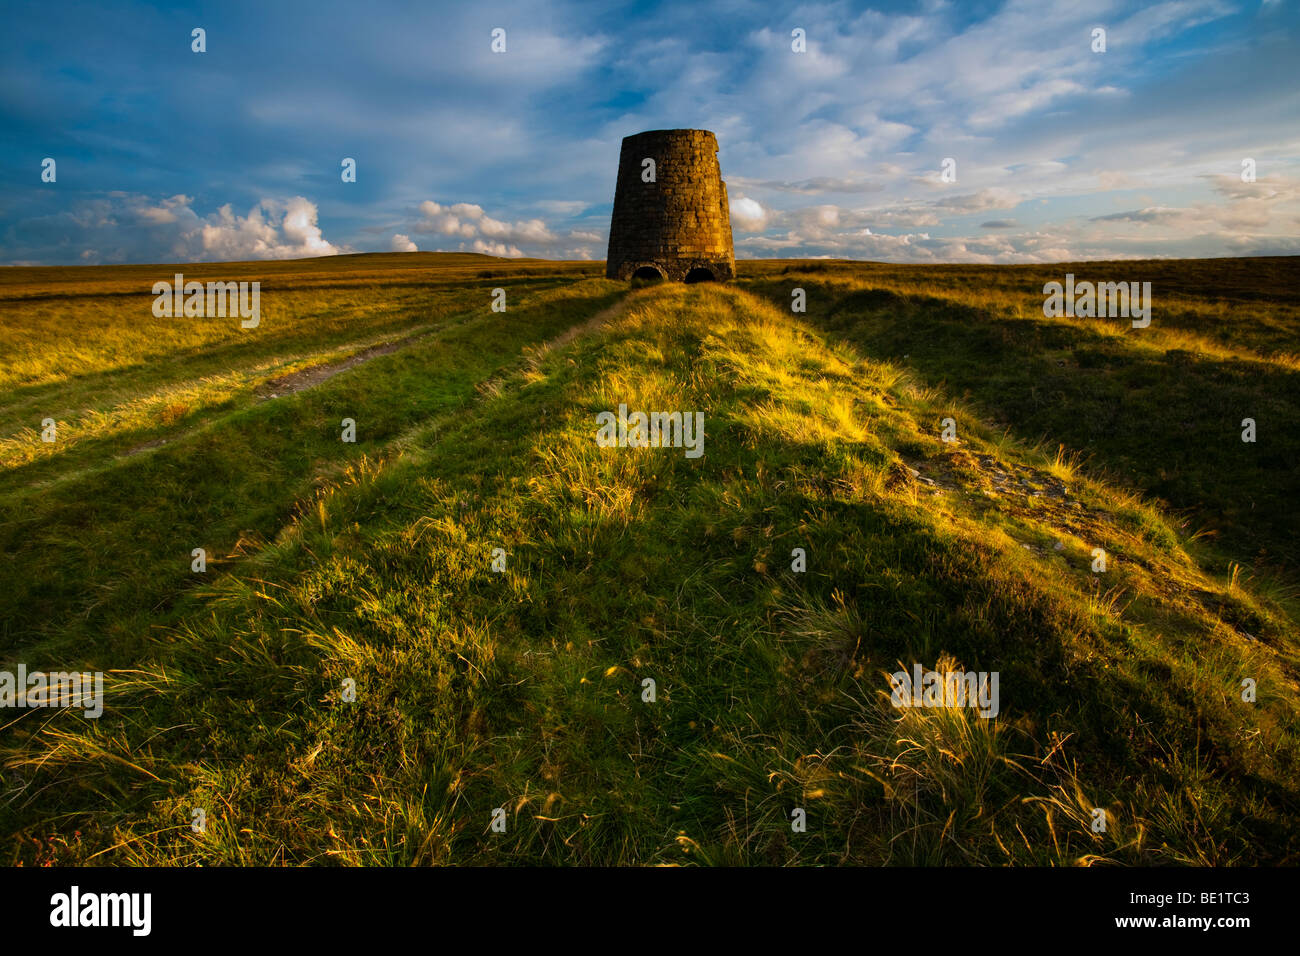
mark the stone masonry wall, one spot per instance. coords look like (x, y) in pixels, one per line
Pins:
(679, 222)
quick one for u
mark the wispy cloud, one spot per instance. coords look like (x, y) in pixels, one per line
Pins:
(833, 151)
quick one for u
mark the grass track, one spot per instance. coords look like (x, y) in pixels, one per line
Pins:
(522, 690)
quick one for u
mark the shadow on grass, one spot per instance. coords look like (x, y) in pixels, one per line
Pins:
(1168, 423)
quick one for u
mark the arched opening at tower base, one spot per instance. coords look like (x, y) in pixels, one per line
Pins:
(648, 273)
(700, 275)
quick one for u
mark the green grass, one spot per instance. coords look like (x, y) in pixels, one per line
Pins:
(1158, 409)
(370, 566)
(98, 530)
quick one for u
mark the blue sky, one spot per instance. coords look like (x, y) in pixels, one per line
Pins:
(164, 154)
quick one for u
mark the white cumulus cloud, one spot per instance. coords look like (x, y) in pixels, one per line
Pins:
(271, 230)
(126, 227)
(747, 215)
(469, 221)
(480, 232)
(496, 249)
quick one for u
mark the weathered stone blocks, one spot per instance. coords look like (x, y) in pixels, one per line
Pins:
(679, 224)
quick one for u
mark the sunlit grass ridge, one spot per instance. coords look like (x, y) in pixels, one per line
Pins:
(523, 689)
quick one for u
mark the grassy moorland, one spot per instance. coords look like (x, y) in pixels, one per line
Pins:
(1159, 409)
(352, 683)
(174, 435)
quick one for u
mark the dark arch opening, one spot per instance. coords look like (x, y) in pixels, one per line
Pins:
(647, 272)
(700, 275)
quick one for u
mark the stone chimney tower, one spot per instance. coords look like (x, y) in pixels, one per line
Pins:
(670, 209)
